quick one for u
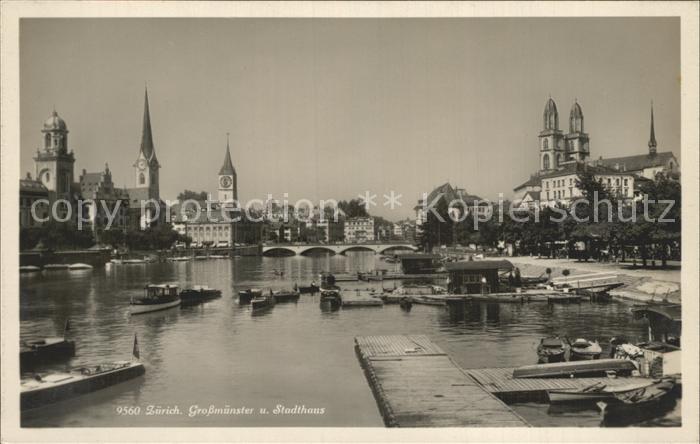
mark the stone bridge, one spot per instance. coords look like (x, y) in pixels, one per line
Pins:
(295, 249)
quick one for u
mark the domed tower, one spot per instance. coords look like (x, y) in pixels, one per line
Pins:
(577, 142)
(228, 186)
(551, 138)
(53, 161)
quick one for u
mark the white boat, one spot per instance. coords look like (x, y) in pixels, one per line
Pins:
(156, 298)
(180, 259)
(29, 269)
(80, 266)
(116, 261)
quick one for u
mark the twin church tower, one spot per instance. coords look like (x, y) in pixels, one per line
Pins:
(557, 147)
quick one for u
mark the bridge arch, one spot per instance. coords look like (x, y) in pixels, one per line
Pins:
(279, 251)
(317, 249)
(397, 247)
(358, 248)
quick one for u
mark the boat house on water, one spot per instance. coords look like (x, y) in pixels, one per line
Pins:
(419, 263)
(475, 277)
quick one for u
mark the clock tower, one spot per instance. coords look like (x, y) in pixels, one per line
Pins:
(146, 166)
(228, 187)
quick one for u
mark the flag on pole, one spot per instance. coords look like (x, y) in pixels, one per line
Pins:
(136, 353)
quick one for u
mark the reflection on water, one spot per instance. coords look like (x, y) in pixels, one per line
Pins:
(293, 354)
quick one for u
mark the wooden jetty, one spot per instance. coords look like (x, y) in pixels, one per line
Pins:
(417, 385)
(360, 298)
(500, 382)
(540, 295)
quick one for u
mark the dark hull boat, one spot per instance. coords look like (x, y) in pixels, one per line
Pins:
(311, 289)
(583, 350)
(285, 296)
(40, 391)
(198, 295)
(551, 350)
(245, 296)
(406, 304)
(33, 353)
(599, 367)
(638, 402)
(262, 303)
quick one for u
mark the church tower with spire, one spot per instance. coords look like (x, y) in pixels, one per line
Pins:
(652, 136)
(146, 166)
(228, 186)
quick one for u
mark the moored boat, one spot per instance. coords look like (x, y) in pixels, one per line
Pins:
(311, 289)
(598, 367)
(80, 266)
(406, 303)
(260, 303)
(594, 392)
(157, 297)
(29, 269)
(198, 294)
(582, 349)
(46, 389)
(285, 296)
(551, 349)
(428, 300)
(44, 350)
(245, 296)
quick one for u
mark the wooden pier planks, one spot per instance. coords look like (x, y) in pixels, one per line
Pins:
(417, 385)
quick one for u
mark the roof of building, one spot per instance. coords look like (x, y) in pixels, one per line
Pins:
(637, 162)
(479, 265)
(535, 195)
(227, 168)
(32, 186)
(450, 194)
(531, 182)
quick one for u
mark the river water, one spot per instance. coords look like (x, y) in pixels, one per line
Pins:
(294, 355)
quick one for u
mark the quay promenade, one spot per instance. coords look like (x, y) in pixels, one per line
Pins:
(641, 284)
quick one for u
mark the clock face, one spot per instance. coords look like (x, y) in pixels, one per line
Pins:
(142, 164)
(225, 182)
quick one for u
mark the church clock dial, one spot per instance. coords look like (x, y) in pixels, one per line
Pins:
(225, 182)
(142, 164)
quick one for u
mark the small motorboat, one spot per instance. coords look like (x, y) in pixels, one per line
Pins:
(583, 350)
(285, 295)
(41, 390)
(406, 303)
(157, 297)
(39, 351)
(311, 289)
(551, 349)
(260, 303)
(198, 294)
(245, 296)
(80, 266)
(201, 258)
(180, 259)
(29, 269)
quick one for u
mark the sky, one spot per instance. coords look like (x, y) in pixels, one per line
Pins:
(333, 108)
